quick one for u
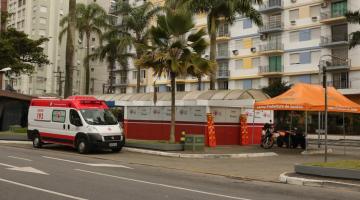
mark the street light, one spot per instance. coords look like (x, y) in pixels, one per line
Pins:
(323, 69)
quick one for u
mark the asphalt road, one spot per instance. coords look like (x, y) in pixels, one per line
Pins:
(50, 174)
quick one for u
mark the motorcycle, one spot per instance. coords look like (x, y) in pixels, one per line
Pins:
(267, 138)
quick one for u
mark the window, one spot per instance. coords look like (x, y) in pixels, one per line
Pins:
(75, 118)
(304, 79)
(294, 14)
(43, 9)
(255, 62)
(247, 23)
(314, 11)
(239, 64)
(223, 49)
(304, 35)
(239, 44)
(305, 58)
(180, 87)
(294, 36)
(223, 85)
(134, 75)
(247, 84)
(42, 20)
(223, 30)
(294, 58)
(59, 116)
(315, 33)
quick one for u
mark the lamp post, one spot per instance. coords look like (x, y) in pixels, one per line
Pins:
(323, 68)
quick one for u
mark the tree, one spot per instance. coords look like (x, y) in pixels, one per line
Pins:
(175, 49)
(276, 88)
(137, 21)
(354, 18)
(221, 11)
(70, 48)
(114, 51)
(20, 53)
(90, 19)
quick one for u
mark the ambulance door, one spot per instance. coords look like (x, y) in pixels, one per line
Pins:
(76, 124)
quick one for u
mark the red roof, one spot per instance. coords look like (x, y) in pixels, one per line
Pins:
(78, 102)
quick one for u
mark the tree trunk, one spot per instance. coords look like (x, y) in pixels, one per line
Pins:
(70, 49)
(111, 76)
(87, 65)
(199, 83)
(173, 111)
(213, 50)
(138, 77)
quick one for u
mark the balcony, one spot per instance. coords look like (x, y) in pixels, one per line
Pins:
(120, 82)
(271, 48)
(223, 36)
(339, 84)
(271, 70)
(272, 26)
(337, 64)
(271, 6)
(334, 41)
(222, 54)
(223, 74)
(331, 17)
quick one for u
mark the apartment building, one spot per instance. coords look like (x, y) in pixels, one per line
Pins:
(41, 18)
(288, 47)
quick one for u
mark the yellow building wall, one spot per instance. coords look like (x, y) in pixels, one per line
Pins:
(247, 64)
(247, 43)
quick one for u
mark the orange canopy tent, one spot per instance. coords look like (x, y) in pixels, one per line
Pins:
(307, 97)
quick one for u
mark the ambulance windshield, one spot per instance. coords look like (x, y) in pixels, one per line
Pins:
(98, 117)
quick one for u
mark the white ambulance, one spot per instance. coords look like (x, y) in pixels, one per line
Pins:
(81, 122)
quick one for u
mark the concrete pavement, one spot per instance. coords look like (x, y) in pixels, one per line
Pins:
(74, 176)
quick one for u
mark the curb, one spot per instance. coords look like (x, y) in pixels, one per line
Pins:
(174, 155)
(15, 142)
(181, 155)
(284, 178)
(316, 151)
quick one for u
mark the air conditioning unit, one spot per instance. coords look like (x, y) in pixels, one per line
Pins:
(293, 1)
(253, 49)
(292, 22)
(314, 19)
(324, 4)
(235, 52)
(263, 37)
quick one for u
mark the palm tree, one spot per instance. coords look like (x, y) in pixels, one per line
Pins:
(137, 21)
(175, 49)
(354, 17)
(221, 10)
(70, 48)
(90, 19)
(114, 51)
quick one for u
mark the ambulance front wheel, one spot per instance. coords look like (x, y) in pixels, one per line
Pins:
(83, 146)
(37, 141)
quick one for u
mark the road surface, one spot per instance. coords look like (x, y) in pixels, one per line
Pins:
(48, 174)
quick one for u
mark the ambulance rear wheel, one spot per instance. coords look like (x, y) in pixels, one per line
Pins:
(37, 141)
(83, 146)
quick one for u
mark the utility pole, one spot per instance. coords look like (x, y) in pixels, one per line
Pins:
(59, 75)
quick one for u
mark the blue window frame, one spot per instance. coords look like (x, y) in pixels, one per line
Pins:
(305, 58)
(247, 23)
(304, 79)
(304, 35)
(247, 84)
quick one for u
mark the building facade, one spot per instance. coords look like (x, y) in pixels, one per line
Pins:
(288, 47)
(41, 18)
